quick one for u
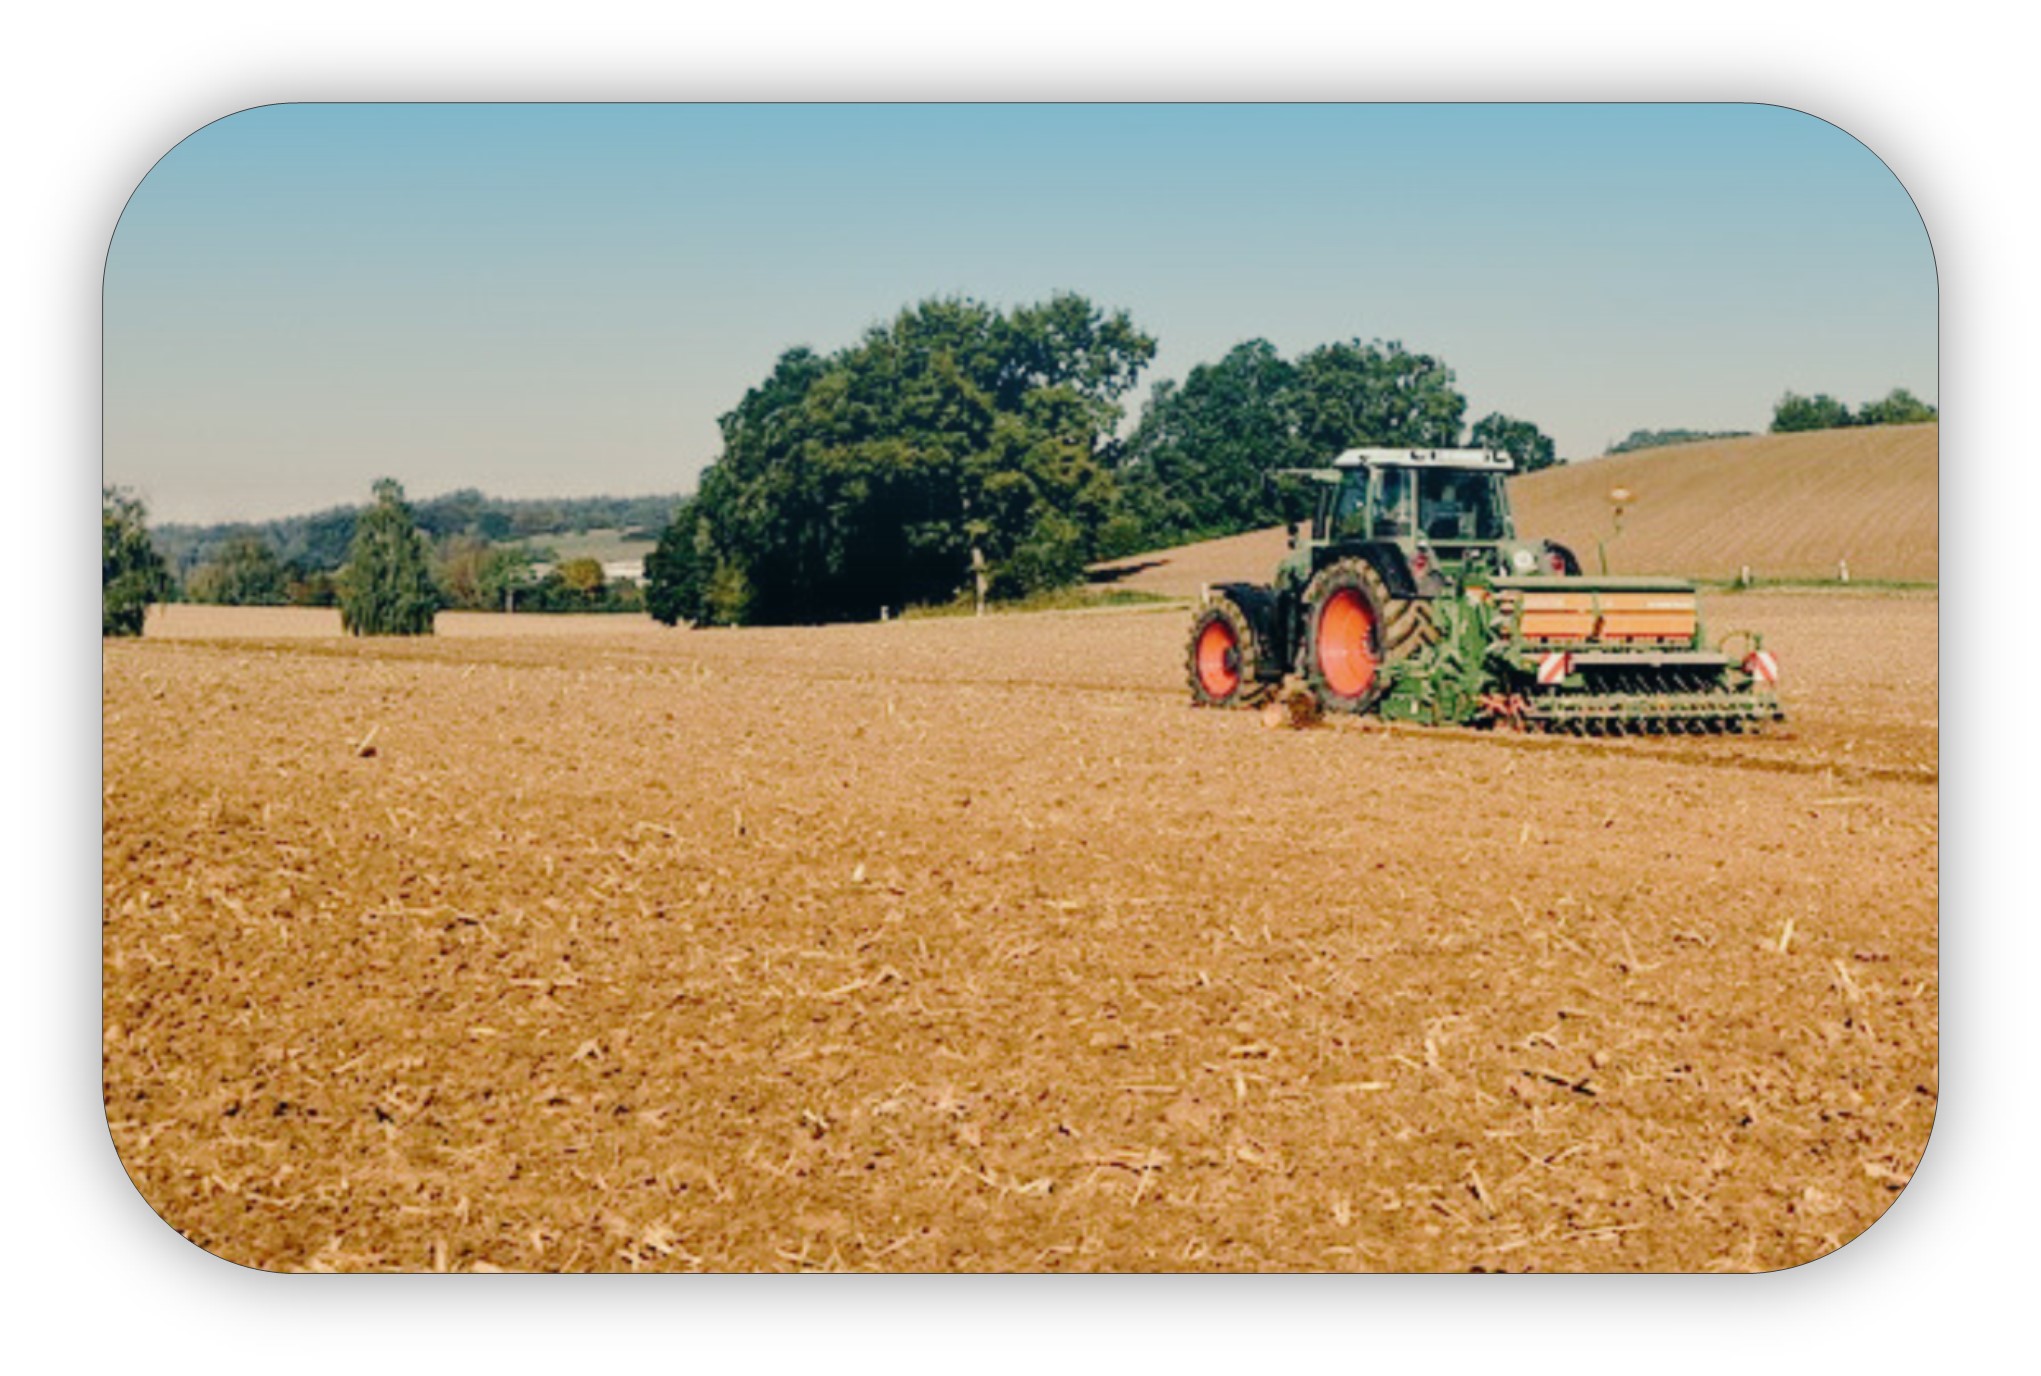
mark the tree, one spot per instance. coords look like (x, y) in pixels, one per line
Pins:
(583, 576)
(458, 566)
(1527, 445)
(1818, 412)
(131, 573)
(386, 587)
(676, 572)
(1900, 407)
(1197, 464)
(505, 573)
(954, 444)
(246, 573)
(1375, 394)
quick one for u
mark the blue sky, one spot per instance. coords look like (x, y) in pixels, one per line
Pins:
(560, 300)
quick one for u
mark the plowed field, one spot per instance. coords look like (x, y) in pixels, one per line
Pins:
(584, 944)
(1789, 506)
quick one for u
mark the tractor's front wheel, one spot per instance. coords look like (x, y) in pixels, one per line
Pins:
(1354, 630)
(1225, 658)
(1344, 608)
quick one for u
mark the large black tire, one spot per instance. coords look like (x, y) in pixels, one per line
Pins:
(1354, 630)
(1225, 658)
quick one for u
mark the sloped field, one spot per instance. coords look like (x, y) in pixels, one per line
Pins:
(584, 944)
(1788, 506)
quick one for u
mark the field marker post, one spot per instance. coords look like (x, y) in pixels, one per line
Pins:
(1743, 578)
(1842, 570)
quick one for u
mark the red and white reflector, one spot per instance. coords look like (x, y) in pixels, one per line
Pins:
(1554, 668)
(1761, 665)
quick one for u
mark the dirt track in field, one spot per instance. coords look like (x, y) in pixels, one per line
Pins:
(955, 944)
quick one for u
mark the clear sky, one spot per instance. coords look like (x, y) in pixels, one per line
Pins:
(559, 300)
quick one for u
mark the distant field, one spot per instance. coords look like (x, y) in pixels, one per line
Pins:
(1789, 506)
(195, 621)
(603, 546)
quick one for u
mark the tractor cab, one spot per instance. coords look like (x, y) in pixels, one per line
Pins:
(1446, 497)
(1446, 510)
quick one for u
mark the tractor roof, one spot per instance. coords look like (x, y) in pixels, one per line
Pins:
(1487, 459)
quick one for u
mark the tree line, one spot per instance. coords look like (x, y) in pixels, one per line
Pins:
(249, 565)
(1657, 439)
(1823, 412)
(318, 542)
(1794, 412)
(468, 573)
(958, 448)
(955, 450)
(393, 579)
(962, 449)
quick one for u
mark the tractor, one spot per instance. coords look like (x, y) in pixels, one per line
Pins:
(1411, 596)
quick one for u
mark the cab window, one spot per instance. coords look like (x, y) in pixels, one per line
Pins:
(1454, 504)
(1350, 511)
(1392, 504)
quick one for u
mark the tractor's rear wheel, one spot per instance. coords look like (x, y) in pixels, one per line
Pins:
(1225, 658)
(1354, 630)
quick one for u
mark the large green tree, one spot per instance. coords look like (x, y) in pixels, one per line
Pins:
(386, 587)
(131, 572)
(1376, 394)
(957, 446)
(1197, 464)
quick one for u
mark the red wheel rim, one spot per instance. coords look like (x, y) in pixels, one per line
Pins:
(1346, 652)
(1218, 660)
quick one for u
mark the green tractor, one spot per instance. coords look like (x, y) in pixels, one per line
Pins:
(1412, 597)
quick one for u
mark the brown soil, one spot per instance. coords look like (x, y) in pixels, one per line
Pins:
(586, 944)
(1789, 506)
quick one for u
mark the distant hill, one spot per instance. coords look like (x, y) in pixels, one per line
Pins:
(1788, 505)
(319, 540)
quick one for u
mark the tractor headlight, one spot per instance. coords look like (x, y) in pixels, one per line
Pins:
(1523, 561)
